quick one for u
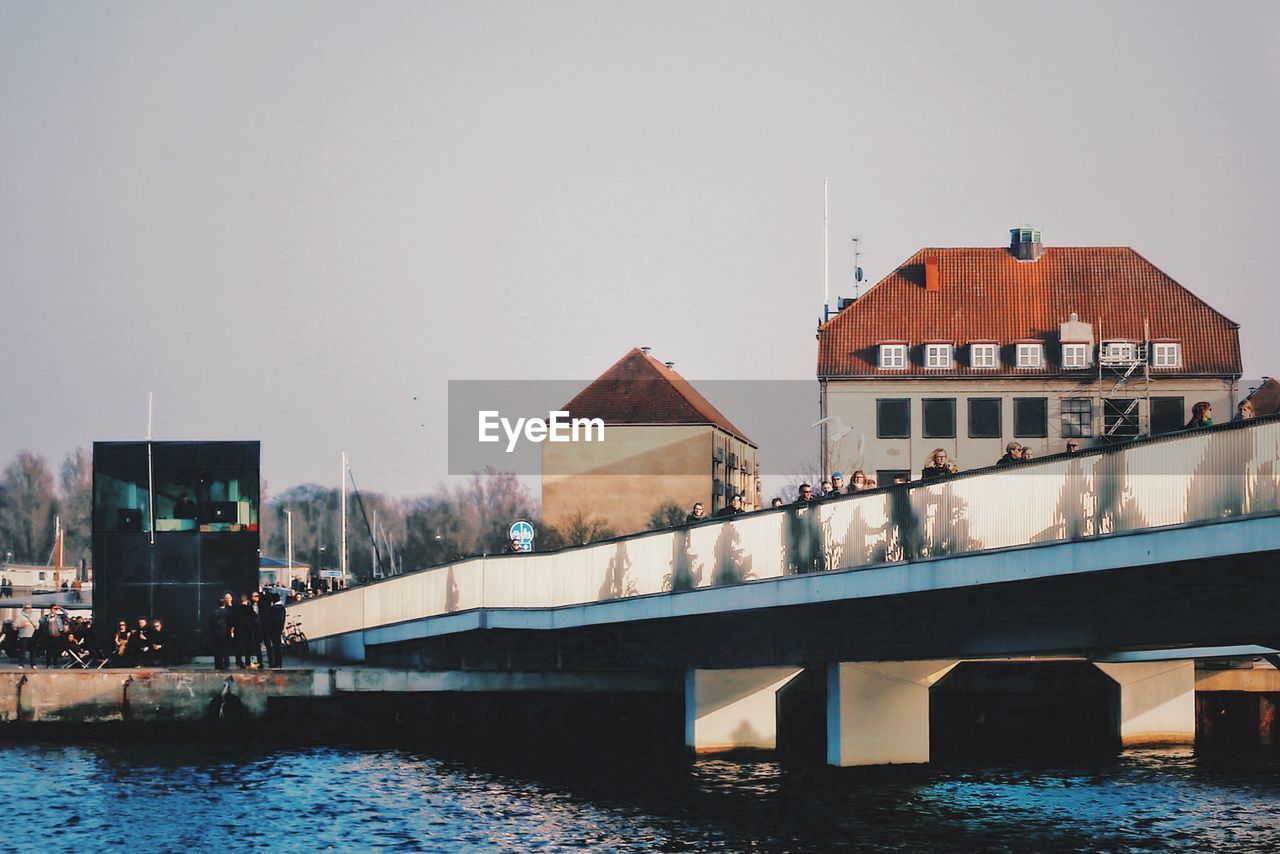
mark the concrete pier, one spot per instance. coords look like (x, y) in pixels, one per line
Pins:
(733, 709)
(878, 711)
(1157, 701)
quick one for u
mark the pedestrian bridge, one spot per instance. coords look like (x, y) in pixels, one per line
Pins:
(1161, 542)
(1134, 558)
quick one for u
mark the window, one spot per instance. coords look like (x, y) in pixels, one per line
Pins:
(1031, 417)
(1077, 417)
(1120, 418)
(1119, 353)
(893, 355)
(1030, 355)
(982, 355)
(984, 418)
(937, 355)
(1167, 414)
(885, 477)
(1075, 356)
(893, 418)
(1166, 355)
(939, 417)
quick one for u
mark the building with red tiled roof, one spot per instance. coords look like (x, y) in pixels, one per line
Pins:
(1265, 399)
(664, 443)
(969, 349)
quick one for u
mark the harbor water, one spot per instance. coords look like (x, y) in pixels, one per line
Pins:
(208, 795)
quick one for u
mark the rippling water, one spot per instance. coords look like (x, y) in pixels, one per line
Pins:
(162, 797)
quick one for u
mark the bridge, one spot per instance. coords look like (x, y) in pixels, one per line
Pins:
(1138, 557)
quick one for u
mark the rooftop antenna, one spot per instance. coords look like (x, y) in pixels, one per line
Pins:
(826, 250)
(857, 267)
(151, 471)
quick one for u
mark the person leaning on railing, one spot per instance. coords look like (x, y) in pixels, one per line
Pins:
(1201, 415)
(939, 467)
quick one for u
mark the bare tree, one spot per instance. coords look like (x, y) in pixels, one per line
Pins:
(75, 500)
(28, 505)
(668, 514)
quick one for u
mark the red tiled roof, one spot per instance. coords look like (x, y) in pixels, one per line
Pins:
(1266, 398)
(985, 293)
(639, 389)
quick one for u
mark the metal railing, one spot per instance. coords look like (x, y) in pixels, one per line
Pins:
(1204, 475)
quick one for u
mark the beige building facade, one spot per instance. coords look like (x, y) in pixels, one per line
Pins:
(663, 444)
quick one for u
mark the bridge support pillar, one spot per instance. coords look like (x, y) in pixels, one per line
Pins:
(878, 711)
(1157, 701)
(730, 709)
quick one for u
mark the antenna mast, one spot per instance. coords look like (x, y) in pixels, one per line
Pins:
(826, 249)
(857, 267)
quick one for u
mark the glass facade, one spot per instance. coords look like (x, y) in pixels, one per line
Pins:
(175, 525)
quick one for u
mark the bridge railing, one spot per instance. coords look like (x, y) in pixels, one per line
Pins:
(1199, 476)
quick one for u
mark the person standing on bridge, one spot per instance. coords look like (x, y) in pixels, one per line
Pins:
(1201, 416)
(938, 467)
(698, 514)
(733, 508)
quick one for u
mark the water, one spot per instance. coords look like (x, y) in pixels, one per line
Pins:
(199, 797)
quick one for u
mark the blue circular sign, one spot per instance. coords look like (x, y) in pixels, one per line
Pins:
(522, 534)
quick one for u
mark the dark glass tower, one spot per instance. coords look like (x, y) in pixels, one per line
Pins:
(175, 525)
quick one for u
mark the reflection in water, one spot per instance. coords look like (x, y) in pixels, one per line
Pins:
(202, 797)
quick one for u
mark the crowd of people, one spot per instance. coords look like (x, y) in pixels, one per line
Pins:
(243, 629)
(49, 637)
(939, 466)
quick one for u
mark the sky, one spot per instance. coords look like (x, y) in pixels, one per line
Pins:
(297, 222)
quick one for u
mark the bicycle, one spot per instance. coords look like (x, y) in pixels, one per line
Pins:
(295, 637)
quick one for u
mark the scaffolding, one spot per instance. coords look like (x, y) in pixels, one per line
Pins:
(1125, 367)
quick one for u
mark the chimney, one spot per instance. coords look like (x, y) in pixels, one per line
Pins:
(931, 280)
(1024, 243)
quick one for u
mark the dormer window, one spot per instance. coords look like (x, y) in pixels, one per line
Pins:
(1030, 355)
(982, 355)
(893, 356)
(1119, 353)
(1166, 354)
(1075, 356)
(937, 355)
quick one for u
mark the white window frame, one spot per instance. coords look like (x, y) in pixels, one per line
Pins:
(937, 356)
(984, 356)
(1030, 356)
(1166, 354)
(893, 357)
(1075, 356)
(1127, 347)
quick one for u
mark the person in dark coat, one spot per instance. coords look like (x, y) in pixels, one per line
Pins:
(137, 649)
(222, 631)
(160, 652)
(273, 627)
(733, 508)
(249, 630)
(938, 466)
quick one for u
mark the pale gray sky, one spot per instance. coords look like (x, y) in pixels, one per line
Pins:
(290, 220)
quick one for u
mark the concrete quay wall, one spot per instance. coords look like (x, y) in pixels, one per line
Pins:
(154, 695)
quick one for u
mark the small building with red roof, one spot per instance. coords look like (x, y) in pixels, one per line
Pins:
(969, 349)
(664, 443)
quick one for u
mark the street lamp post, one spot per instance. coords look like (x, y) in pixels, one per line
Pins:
(288, 516)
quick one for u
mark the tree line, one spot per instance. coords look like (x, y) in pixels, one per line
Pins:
(455, 520)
